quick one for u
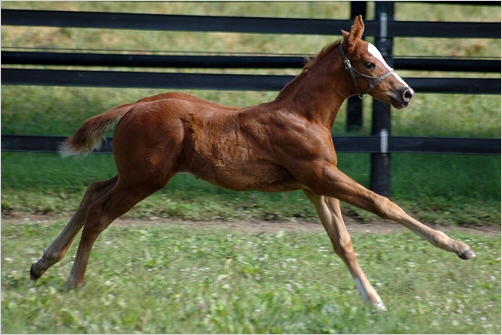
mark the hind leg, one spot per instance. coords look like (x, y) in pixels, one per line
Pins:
(58, 249)
(101, 214)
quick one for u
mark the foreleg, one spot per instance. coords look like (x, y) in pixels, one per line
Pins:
(330, 214)
(328, 180)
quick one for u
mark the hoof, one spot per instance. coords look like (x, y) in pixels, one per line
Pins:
(73, 285)
(34, 275)
(380, 306)
(70, 286)
(467, 254)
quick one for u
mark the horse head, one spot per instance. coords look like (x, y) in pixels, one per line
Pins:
(369, 71)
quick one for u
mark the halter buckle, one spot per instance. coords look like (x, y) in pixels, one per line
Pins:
(346, 64)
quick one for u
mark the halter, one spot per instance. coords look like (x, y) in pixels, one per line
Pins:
(372, 81)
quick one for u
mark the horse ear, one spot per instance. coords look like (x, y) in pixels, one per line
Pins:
(358, 27)
(345, 35)
(355, 34)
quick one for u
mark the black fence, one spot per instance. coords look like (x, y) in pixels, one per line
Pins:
(225, 62)
(384, 28)
(353, 144)
(245, 24)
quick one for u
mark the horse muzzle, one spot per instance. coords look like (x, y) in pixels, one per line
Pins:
(402, 97)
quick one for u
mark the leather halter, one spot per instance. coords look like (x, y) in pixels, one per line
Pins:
(372, 81)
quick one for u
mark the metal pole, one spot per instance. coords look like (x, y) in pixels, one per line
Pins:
(381, 123)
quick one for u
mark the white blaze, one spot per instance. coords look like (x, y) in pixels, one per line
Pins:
(375, 53)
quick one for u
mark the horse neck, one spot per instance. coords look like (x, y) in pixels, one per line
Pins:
(318, 93)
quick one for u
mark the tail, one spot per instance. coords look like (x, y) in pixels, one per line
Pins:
(91, 134)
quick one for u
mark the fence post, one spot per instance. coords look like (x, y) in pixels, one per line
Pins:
(381, 123)
(354, 104)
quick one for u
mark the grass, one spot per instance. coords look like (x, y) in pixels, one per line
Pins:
(182, 280)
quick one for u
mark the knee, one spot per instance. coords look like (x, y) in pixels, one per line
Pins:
(344, 248)
(386, 209)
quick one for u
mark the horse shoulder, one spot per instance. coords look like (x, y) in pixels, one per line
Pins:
(299, 137)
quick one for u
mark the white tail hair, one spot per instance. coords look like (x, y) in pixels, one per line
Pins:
(91, 134)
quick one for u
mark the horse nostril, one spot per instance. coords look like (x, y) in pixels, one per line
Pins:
(407, 95)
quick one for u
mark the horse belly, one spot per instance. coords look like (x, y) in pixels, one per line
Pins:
(246, 175)
(265, 180)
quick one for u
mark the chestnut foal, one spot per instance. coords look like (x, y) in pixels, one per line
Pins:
(282, 145)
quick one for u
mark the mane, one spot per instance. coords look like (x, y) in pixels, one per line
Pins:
(322, 53)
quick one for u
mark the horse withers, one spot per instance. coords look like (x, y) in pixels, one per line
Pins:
(281, 145)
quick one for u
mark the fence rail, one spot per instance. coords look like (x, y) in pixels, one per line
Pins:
(226, 62)
(239, 24)
(204, 81)
(353, 144)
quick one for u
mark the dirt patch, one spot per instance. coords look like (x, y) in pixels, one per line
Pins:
(257, 226)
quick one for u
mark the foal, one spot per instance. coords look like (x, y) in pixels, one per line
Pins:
(282, 145)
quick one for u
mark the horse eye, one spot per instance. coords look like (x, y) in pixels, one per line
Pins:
(370, 65)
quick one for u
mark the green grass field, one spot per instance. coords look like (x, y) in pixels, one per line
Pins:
(176, 279)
